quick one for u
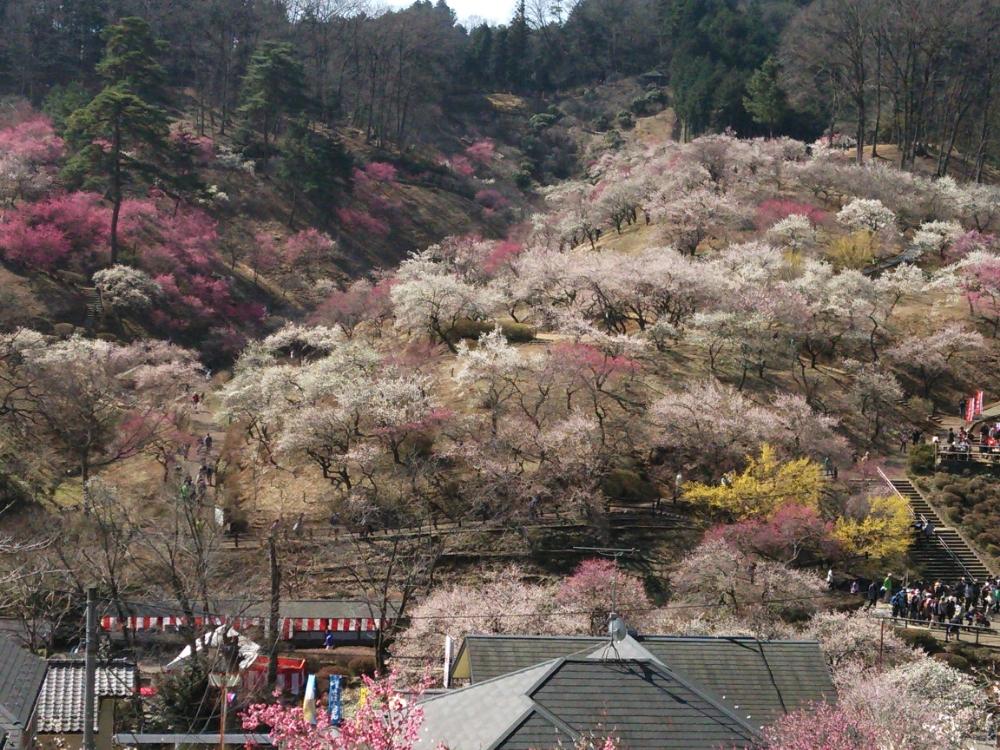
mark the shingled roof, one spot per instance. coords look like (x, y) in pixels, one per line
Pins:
(623, 691)
(21, 676)
(61, 705)
(764, 679)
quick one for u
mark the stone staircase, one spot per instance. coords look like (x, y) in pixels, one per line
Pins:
(947, 555)
(94, 309)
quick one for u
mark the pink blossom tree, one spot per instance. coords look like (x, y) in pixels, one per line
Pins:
(356, 221)
(306, 248)
(774, 210)
(56, 232)
(491, 200)
(822, 726)
(34, 140)
(361, 302)
(793, 530)
(598, 587)
(461, 166)
(385, 720)
(979, 282)
(482, 151)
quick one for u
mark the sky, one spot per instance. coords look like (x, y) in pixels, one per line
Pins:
(493, 11)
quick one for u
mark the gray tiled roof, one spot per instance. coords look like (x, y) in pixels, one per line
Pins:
(644, 704)
(764, 679)
(466, 719)
(21, 676)
(61, 705)
(536, 731)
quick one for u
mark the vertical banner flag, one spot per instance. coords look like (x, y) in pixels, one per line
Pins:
(335, 706)
(970, 409)
(979, 402)
(309, 702)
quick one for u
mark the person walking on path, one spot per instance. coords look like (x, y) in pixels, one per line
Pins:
(887, 585)
(872, 595)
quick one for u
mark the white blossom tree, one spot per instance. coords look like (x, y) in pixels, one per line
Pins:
(101, 402)
(127, 289)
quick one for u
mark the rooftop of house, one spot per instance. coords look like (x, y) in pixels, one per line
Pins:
(61, 705)
(763, 679)
(621, 690)
(21, 677)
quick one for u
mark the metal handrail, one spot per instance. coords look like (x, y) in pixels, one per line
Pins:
(931, 625)
(954, 557)
(894, 489)
(937, 538)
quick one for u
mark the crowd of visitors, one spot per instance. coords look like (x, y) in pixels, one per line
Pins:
(966, 602)
(987, 439)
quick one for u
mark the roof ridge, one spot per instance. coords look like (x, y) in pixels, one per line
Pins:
(639, 638)
(664, 671)
(499, 677)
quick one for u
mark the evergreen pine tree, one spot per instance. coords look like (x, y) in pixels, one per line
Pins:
(765, 101)
(273, 87)
(313, 165)
(517, 48)
(122, 131)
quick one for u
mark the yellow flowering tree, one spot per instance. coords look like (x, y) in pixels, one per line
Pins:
(764, 486)
(883, 531)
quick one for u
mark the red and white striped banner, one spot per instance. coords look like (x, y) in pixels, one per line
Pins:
(289, 625)
(979, 402)
(970, 409)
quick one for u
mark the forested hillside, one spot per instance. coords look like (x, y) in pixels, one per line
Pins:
(628, 308)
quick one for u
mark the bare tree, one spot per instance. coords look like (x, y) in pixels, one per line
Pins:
(389, 572)
(831, 43)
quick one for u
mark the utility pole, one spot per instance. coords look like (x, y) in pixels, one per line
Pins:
(90, 671)
(273, 618)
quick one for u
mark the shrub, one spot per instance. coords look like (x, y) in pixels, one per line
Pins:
(360, 665)
(628, 487)
(955, 661)
(614, 140)
(516, 333)
(649, 103)
(541, 121)
(853, 251)
(921, 459)
(602, 123)
(920, 639)
(625, 120)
